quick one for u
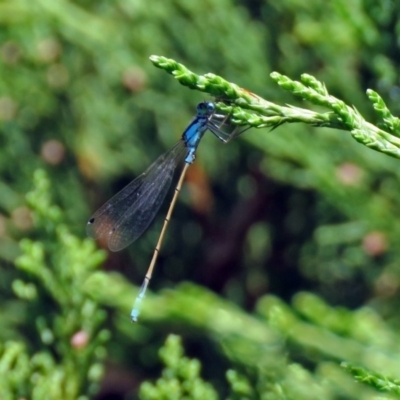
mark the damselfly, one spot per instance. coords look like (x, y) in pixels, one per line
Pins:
(127, 215)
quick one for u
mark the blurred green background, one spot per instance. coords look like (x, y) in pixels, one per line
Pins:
(275, 230)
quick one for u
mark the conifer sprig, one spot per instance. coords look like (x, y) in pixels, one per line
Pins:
(251, 110)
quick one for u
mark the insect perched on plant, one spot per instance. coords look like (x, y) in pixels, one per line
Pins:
(127, 215)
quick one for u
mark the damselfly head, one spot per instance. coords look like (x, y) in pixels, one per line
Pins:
(205, 107)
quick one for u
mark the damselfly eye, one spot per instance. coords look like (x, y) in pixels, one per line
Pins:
(201, 107)
(210, 107)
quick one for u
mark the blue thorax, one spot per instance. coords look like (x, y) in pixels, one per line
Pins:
(195, 131)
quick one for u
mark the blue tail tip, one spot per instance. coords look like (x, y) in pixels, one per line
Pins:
(134, 315)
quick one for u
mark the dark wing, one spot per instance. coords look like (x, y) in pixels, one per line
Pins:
(128, 214)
